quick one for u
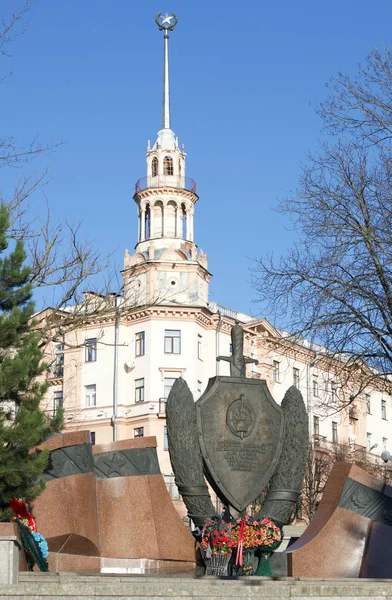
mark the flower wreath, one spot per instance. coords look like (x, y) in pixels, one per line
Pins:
(34, 543)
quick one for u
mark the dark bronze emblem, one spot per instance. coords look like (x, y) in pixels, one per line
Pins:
(241, 417)
(240, 440)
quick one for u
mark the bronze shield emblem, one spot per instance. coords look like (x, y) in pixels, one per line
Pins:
(241, 431)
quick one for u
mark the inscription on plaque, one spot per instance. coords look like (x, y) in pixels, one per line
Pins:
(243, 458)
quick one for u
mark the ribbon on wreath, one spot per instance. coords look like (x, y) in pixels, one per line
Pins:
(240, 547)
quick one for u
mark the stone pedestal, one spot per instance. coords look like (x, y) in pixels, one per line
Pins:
(10, 545)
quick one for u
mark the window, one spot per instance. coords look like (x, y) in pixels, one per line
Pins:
(138, 432)
(171, 487)
(368, 407)
(334, 390)
(92, 437)
(334, 432)
(90, 395)
(369, 441)
(167, 386)
(383, 409)
(165, 439)
(91, 350)
(168, 165)
(172, 341)
(199, 384)
(316, 425)
(275, 372)
(58, 370)
(315, 386)
(139, 390)
(385, 444)
(199, 346)
(139, 344)
(296, 377)
(154, 167)
(58, 400)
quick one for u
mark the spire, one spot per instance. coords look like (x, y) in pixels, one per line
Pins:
(166, 23)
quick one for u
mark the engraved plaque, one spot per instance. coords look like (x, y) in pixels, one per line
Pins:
(241, 432)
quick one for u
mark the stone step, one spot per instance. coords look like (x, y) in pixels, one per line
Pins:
(64, 586)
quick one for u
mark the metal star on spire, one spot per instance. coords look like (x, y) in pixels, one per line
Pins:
(165, 21)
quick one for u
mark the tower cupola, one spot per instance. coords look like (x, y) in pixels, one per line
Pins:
(165, 200)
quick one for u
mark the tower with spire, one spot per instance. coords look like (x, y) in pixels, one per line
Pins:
(166, 266)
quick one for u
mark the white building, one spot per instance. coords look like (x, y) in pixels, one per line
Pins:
(113, 374)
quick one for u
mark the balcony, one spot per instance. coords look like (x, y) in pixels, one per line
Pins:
(353, 413)
(56, 372)
(171, 181)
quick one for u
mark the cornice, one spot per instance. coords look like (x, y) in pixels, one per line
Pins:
(150, 192)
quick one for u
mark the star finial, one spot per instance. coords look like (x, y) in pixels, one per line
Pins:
(165, 21)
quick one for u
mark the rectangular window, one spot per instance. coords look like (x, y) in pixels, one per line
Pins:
(92, 437)
(139, 390)
(369, 441)
(58, 368)
(139, 344)
(167, 386)
(334, 432)
(172, 341)
(58, 399)
(91, 350)
(385, 444)
(199, 346)
(334, 390)
(275, 372)
(316, 425)
(90, 395)
(296, 377)
(165, 439)
(368, 407)
(383, 409)
(171, 487)
(138, 432)
(315, 386)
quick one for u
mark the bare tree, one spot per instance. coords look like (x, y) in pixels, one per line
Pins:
(321, 459)
(334, 286)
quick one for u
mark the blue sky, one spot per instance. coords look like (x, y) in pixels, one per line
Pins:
(244, 77)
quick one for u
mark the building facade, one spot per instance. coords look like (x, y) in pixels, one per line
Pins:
(113, 372)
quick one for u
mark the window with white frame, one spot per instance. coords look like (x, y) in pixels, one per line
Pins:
(315, 385)
(369, 441)
(172, 341)
(383, 409)
(276, 371)
(90, 395)
(58, 370)
(58, 400)
(139, 390)
(316, 425)
(171, 487)
(140, 344)
(91, 350)
(385, 444)
(138, 432)
(368, 404)
(296, 377)
(334, 432)
(199, 346)
(334, 390)
(167, 386)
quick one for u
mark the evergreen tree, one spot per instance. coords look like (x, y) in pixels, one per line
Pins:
(22, 383)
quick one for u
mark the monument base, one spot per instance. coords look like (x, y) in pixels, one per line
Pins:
(129, 566)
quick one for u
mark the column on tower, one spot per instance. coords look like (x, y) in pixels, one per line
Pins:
(143, 223)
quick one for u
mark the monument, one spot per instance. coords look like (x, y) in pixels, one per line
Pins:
(241, 441)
